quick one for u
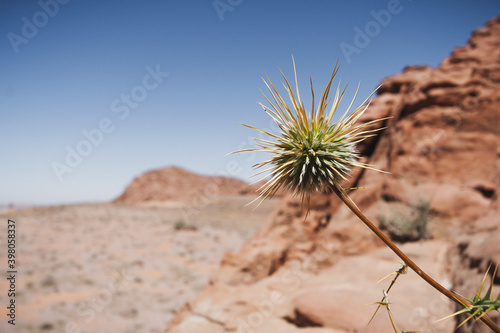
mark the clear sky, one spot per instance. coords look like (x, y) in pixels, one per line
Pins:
(95, 93)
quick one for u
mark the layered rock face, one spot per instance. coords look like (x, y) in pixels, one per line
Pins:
(317, 272)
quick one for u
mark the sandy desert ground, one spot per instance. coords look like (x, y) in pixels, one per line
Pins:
(117, 268)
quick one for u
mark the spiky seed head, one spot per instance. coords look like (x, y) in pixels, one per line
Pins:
(312, 153)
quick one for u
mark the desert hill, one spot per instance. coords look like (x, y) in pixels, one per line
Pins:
(176, 184)
(316, 274)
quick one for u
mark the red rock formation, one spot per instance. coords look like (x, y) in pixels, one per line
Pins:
(316, 273)
(176, 184)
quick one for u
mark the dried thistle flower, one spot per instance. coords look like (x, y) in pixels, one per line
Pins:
(312, 153)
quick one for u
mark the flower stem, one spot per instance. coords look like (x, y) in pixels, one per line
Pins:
(457, 299)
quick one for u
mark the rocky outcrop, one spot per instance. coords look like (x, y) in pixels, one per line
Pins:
(176, 184)
(317, 272)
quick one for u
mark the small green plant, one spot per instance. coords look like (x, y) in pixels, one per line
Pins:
(182, 225)
(479, 306)
(314, 154)
(409, 225)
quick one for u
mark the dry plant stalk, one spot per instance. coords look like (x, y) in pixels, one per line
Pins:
(315, 154)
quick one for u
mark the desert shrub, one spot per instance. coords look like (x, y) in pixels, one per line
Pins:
(182, 225)
(407, 225)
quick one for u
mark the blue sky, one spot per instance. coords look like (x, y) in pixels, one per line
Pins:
(131, 86)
